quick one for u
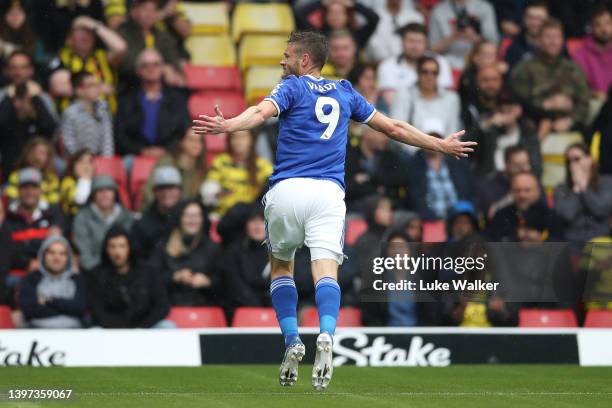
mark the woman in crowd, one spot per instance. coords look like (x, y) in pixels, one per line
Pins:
(185, 260)
(37, 153)
(189, 157)
(238, 176)
(584, 201)
(76, 184)
(337, 15)
(15, 30)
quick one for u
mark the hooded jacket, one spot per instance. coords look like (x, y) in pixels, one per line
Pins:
(64, 292)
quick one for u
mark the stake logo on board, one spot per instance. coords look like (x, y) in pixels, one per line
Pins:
(35, 354)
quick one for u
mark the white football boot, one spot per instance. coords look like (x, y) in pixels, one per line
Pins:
(288, 373)
(323, 368)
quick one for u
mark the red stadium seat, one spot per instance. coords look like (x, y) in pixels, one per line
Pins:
(354, 229)
(213, 233)
(573, 45)
(113, 166)
(6, 321)
(254, 317)
(231, 104)
(503, 47)
(142, 167)
(348, 317)
(598, 318)
(456, 78)
(213, 79)
(434, 231)
(215, 143)
(547, 318)
(194, 317)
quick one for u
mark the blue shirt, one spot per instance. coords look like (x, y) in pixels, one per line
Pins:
(314, 116)
(150, 111)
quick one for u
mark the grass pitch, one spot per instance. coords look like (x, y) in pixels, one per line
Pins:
(257, 386)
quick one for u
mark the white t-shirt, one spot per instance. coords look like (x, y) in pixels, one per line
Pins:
(395, 73)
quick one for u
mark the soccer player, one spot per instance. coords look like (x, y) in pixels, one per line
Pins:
(305, 203)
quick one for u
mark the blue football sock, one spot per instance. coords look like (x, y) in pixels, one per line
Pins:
(327, 296)
(285, 299)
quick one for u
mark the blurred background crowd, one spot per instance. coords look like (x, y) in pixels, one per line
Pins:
(114, 212)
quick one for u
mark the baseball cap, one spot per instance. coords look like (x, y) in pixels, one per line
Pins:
(30, 175)
(102, 182)
(167, 176)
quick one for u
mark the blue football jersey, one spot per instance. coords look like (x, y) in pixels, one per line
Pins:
(314, 116)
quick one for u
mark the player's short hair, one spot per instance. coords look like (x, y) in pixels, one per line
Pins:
(311, 43)
(78, 78)
(551, 23)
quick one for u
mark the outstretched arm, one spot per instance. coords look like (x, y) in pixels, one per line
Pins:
(408, 134)
(252, 117)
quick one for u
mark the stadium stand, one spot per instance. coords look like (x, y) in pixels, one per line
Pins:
(254, 317)
(347, 317)
(6, 321)
(547, 318)
(598, 318)
(197, 317)
(261, 50)
(231, 104)
(212, 78)
(259, 80)
(354, 229)
(207, 18)
(216, 50)
(270, 18)
(142, 167)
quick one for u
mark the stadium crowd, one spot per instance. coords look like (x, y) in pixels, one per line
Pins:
(113, 210)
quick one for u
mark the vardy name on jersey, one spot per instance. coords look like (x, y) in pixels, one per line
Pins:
(314, 116)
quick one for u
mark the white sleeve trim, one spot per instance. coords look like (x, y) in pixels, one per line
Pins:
(370, 117)
(278, 111)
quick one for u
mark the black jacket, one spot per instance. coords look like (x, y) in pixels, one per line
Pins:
(148, 231)
(136, 299)
(503, 226)
(172, 121)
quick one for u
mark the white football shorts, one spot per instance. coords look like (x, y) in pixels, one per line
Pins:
(307, 211)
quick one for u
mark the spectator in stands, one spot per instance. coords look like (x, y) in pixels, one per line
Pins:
(363, 79)
(595, 56)
(509, 14)
(122, 292)
(153, 225)
(37, 153)
(16, 31)
(584, 201)
(386, 42)
(342, 55)
(340, 15)
(87, 123)
(186, 259)
(29, 220)
(437, 182)
(425, 100)
(372, 169)
(53, 19)
(53, 296)
(140, 33)
(94, 220)
(524, 46)
(81, 53)
(462, 222)
(238, 176)
(189, 157)
(25, 110)
(400, 70)
(456, 25)
(574, 14)
(526, 192)
(602, 129)
(75, 187)
(152, 117)
(494, 191)
(484, 53)
(246, 266)
(410, 223)
(494, 121)
(551, 88)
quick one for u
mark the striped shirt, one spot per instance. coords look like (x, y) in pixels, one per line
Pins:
(83, 130)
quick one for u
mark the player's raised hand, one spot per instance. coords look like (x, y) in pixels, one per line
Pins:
(210, 124)
(453, 146)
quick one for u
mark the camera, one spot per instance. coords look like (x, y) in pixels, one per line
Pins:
(464, 20)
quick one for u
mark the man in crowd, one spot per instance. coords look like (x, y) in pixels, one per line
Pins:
(153, 225)
(525, 44)
(551, 88)
(53, 296)
(25, 110)
(401, 71)
(151, 117)
(342, 55)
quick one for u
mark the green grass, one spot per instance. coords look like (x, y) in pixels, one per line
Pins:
(256, 386)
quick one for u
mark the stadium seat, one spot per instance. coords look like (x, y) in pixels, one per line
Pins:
(142, 167)
(6, 321)
(598, 318)
(254, 317)
(231, 104)
(503, 47)
(194, 317)
(113, 166)
(260, 80)
(573, 45)
(213, 233)
(547, 318)
(354, 229)
(270, 18)
(215, 143)
(214, 50)
(261, 50)
(434, 231)
(456, 78)
(209, 18)
(348, 317)
(213, 79)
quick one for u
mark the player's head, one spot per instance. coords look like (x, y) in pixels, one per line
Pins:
(306, 52)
